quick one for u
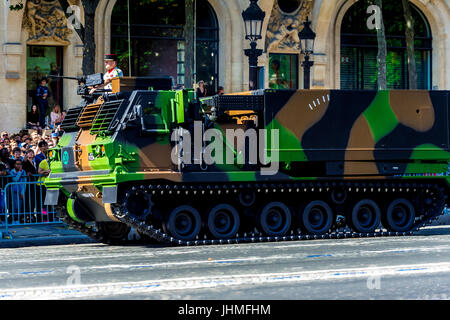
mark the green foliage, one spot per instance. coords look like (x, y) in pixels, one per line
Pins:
(16, 7)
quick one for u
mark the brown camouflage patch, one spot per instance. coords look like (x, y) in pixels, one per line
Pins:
(413, 109)
(360, 147)
(155, 155)
(304, 109)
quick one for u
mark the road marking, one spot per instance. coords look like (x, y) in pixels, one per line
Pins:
(184, 263)
(120, 288)
(98, 255)
(36, 272)
(319, 255)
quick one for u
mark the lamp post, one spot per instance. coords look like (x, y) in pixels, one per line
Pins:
(253, 20)
(307, 37)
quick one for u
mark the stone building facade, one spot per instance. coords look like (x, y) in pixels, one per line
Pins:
(27, 35)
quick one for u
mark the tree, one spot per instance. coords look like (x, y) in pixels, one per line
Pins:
(189, 49)
(409, 34)
(89, 7)
(382, 49)
(86, 32)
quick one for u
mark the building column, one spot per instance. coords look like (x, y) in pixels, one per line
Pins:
(13, 69)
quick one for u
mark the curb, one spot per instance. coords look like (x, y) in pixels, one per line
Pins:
(45, 241)
(442, 220)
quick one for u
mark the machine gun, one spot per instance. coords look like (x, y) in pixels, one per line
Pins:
(85, 83)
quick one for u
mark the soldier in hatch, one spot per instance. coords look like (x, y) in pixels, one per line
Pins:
(111, 72)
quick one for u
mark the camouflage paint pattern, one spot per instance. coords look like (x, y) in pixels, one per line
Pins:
(324, 134)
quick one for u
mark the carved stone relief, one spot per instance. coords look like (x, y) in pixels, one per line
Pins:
(283, 27)
(46, 22)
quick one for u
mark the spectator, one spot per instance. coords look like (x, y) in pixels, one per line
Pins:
(35, 138)
(7, 148)
(3, 169)
(33, 118)
(43, 169)
(220, 91)
(26, 144)
(55, 117)
(4, 156)
(25, 136)
(33, 197)
(201, 90)
(63, 115)
(16, 155)
(55, 139)
(4, 136)
(3, 181)
(42, 94)
(18, 190)
(43, 147)
(18, 139)
(29, 165)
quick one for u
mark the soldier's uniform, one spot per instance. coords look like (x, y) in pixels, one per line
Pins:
(113, 73)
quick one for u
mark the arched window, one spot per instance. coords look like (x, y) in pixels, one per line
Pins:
(359, 48)
(149, 39)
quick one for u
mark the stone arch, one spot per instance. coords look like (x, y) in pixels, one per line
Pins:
(14, 25)
(231, 36)
(327, 23)
(225, 52)
(13, 67)
(438, 17)
(103, 31)
(231, 60)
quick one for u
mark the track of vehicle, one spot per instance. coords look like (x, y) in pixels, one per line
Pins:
(427, 198)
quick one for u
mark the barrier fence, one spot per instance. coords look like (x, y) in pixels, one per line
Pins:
(22, 203)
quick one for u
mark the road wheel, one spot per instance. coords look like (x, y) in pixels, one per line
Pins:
(138, 203)
(339, 195)
(317, 218)
(223, 221)
(247, 198)
(184, 223)
(275, 219)
(400, 216)
(366, 216)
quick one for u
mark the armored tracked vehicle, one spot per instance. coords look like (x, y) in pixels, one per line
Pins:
(266, 165)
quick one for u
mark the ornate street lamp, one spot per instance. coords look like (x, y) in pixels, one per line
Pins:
(253, 20)
(307, 37)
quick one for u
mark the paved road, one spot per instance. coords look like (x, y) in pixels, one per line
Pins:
(416, 267)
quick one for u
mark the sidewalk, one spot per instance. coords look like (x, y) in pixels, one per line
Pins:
(442, 220)
(40, 235)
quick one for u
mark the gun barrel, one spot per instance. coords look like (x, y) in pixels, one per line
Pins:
(64, 77)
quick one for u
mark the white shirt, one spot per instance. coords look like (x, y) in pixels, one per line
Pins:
(111, 74)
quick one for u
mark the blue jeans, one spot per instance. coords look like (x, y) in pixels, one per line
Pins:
(43, 106)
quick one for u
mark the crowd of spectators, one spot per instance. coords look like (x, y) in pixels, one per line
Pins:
(40, 116)
(25, 151)
(23, 158)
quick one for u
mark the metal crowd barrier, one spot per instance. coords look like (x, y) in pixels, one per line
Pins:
(22, 203)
